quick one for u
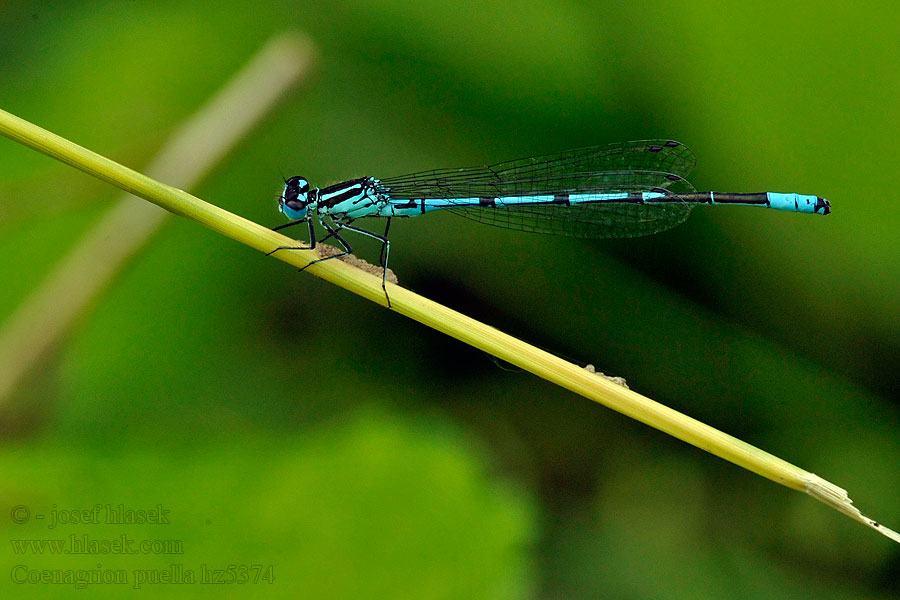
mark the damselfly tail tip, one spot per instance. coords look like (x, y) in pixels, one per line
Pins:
(824, 205)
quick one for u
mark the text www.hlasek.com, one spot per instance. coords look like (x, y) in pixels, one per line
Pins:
(84, 544)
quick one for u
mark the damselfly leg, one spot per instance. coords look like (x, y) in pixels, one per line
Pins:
(333, 228)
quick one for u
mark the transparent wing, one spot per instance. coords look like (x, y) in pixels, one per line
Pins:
(596, 168)
(596, 220)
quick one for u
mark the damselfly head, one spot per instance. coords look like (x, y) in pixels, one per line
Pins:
(295, 198)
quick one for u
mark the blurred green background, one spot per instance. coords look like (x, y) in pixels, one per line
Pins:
(285, 422)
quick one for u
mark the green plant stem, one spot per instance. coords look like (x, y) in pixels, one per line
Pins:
(441, 318)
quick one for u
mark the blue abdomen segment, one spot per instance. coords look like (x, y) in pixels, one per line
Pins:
(799, 203)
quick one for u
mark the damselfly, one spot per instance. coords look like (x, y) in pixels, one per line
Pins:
(609, 191)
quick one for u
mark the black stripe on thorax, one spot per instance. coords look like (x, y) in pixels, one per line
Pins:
(341, 192)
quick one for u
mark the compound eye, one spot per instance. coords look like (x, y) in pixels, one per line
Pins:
(296, 190)
(300, 184)
(294, 199)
